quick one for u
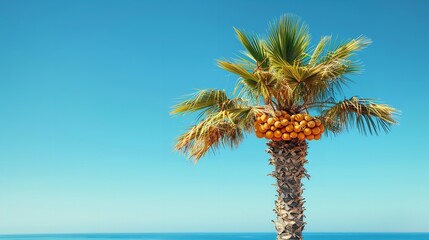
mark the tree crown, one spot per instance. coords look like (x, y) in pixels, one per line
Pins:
(282, 72)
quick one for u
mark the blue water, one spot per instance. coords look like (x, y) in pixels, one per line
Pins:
(219, 236)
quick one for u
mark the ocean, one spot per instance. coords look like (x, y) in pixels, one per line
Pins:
(218, 236)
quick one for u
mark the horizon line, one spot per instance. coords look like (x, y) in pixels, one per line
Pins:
(228, 232)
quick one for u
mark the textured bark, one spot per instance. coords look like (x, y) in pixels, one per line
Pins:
(288, 159)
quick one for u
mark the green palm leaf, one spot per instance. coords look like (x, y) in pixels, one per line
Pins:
(209, 102)
(254, 85)
(217, 130)
(238, 69)
(320, 48)
(255, 48)
(288, 40)
(346, 49)
(362, 113)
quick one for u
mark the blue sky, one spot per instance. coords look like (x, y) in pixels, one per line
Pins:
(86, 137)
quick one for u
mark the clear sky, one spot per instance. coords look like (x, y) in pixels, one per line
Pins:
(86, 137)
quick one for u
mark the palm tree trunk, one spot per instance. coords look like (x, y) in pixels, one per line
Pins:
(288, 158)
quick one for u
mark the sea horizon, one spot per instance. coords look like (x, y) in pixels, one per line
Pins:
(219, 235)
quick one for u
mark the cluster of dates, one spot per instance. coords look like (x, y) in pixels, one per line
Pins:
(283, 126)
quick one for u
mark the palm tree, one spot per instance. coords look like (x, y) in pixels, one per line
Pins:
(283, 74)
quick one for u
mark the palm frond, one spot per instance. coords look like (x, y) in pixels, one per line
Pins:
(331, 78)
(264, 87)
(252, 85)
(304, 84)
(320, 48)
(238, 69)
(293, 82)
(255, 48)
(288, 40)
(362, 113)
(334, 67)
(347, 49)
(325, 76)
(244, 117)
(213, 132)
(222, 122)
(210, 100)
